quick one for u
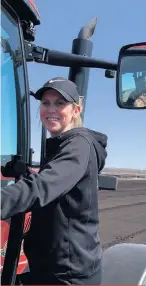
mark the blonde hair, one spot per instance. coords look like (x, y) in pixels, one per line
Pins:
(78, 121)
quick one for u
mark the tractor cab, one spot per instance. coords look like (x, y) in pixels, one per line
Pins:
(18, 23)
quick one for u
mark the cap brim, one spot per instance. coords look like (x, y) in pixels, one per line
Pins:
(39, 93)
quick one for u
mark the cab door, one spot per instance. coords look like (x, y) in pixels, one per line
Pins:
(15, 132)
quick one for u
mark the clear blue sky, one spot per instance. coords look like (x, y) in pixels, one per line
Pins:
(119, 23)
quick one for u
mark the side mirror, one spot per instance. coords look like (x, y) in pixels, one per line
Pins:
(131, 77)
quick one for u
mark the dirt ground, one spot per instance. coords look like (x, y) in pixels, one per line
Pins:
(123, 213)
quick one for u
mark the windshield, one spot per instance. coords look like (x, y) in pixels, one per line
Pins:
(8, 91)
(13, 94)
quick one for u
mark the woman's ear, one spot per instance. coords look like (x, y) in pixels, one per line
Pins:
(77, 111)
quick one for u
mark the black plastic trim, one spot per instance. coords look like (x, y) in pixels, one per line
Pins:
(132, 52)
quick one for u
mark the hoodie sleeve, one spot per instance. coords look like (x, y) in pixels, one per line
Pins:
(58, 178)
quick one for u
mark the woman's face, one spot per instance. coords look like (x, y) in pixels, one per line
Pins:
(57, 114)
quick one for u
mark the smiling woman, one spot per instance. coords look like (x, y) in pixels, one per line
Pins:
(62, 196)
(56, 113)
(60, 110)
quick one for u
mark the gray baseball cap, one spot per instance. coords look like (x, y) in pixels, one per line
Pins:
(65, 87)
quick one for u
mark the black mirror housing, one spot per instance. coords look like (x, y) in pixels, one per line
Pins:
(131, 77)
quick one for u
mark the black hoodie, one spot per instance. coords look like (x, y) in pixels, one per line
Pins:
(63, 238)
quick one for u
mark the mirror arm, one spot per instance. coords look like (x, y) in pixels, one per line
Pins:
(57, 58)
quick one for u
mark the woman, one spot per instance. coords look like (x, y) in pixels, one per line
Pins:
(63, 245)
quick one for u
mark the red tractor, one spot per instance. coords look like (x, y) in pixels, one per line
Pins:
(18, 21)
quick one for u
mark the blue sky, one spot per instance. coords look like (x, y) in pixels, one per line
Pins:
(119, 23)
